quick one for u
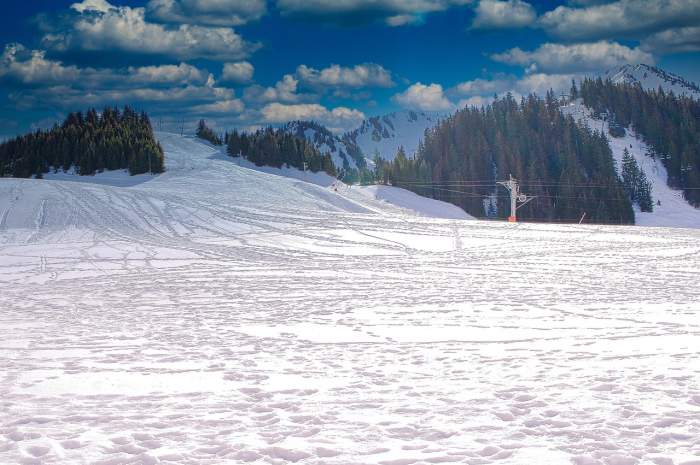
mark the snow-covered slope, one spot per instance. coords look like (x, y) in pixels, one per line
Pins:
(384, 134)
(219, 314)
(651, 78)
(199, 178)
(673, 210)
(414, 203)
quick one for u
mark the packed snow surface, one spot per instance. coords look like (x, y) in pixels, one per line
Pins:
(219, 314)
(414, 203)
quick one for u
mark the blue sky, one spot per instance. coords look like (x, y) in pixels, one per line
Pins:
(249, 63)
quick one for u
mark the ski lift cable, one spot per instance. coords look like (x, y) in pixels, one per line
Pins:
(488, 183)
(471, 194)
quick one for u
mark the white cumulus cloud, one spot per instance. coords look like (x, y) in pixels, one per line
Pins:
(558, 58)
(680, 40)
(423, 97)
(392, 12)
(92, 5)
(338, 119)
(125, 29)
(32, 67)
(285, 90)
(501, 14)
(629, 18)
(363, 75)
(481, 86)
(239, 72)
(206, 12)
(229, 106)
(168, 74)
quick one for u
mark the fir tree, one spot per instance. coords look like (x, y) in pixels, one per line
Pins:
(644, 199)
(630, 174)
(573, 91)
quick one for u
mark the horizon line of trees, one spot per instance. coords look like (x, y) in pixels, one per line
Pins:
(87, 143)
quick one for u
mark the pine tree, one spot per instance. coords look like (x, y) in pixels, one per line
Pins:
(630, 174)
(644, 199)
(573, 91)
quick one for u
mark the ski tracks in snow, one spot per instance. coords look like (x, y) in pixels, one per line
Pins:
(218, 315)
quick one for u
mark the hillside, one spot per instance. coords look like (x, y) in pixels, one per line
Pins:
(221, 312)
(668, 123)
(658, 129)
(671, 209)
(200, 178)
(567, 167)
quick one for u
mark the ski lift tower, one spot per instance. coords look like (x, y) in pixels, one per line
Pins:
(517, 199)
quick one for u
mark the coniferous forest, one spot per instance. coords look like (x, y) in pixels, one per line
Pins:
(276, 147)
(568, 167)
(88, 143)
(668, 123)
(206, 133)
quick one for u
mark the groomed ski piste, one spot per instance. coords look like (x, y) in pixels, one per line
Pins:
(221, 314)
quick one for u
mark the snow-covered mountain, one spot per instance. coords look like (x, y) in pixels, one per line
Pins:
(651, 78)
(384, 134)
(344, 152)
(381, 135)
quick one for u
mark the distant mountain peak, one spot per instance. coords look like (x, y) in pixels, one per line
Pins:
(344, 153)
(384, 134)
(651, 78)
(378, 135)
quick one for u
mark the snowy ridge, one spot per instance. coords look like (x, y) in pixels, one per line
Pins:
(674, 210)
(651, 78)
(344, 152)
(385, 134)
(220, 314)
(381, 135)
